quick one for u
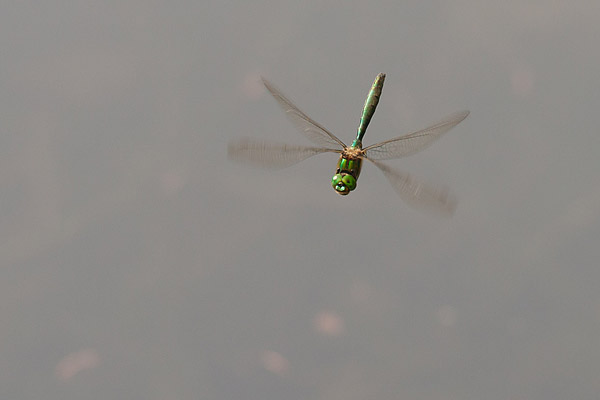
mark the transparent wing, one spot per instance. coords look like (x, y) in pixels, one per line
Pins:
(413, 142)
(417, 194)
(311, 129)
(271, 155)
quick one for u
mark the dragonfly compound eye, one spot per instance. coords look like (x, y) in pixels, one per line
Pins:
(337, 182)
(337, 178)
(349, 181)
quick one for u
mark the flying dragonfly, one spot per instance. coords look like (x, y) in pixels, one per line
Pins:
(413, 192)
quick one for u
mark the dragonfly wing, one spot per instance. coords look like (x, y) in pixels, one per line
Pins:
(311, 129)
(413, 142)
(417, 194)
(271, 155)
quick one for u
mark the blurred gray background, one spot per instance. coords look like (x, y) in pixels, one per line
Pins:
(137, 262)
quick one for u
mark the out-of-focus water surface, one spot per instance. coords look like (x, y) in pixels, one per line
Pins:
(137, 262)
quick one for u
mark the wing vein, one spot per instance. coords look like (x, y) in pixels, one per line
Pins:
(271, 155)
(311, 129)
(414, 142)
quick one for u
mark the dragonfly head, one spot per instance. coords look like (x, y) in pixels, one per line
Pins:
(343, 183)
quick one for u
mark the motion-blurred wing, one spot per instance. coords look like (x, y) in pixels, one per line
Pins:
(413, 142)
(271, 155)
(417, 194)
(311, 129)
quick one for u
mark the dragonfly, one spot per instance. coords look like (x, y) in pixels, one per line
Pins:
(413, 192)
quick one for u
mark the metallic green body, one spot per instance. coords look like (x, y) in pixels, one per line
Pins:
(350, 161)
(347, 173)
(351, 158)
(351, 166)
(370, 106)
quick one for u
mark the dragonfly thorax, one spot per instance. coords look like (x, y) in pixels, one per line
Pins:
(353, 153)
(348, 170)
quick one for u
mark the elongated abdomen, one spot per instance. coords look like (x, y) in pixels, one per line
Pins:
(370, 105)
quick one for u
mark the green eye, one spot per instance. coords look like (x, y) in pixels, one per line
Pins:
(337, 178)
(349, 181)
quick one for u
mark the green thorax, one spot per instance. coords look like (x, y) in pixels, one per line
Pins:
(346, 175)
(370, 106)
(348, 169)
(350, 166)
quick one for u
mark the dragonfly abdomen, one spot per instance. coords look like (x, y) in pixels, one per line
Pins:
(370, 105)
